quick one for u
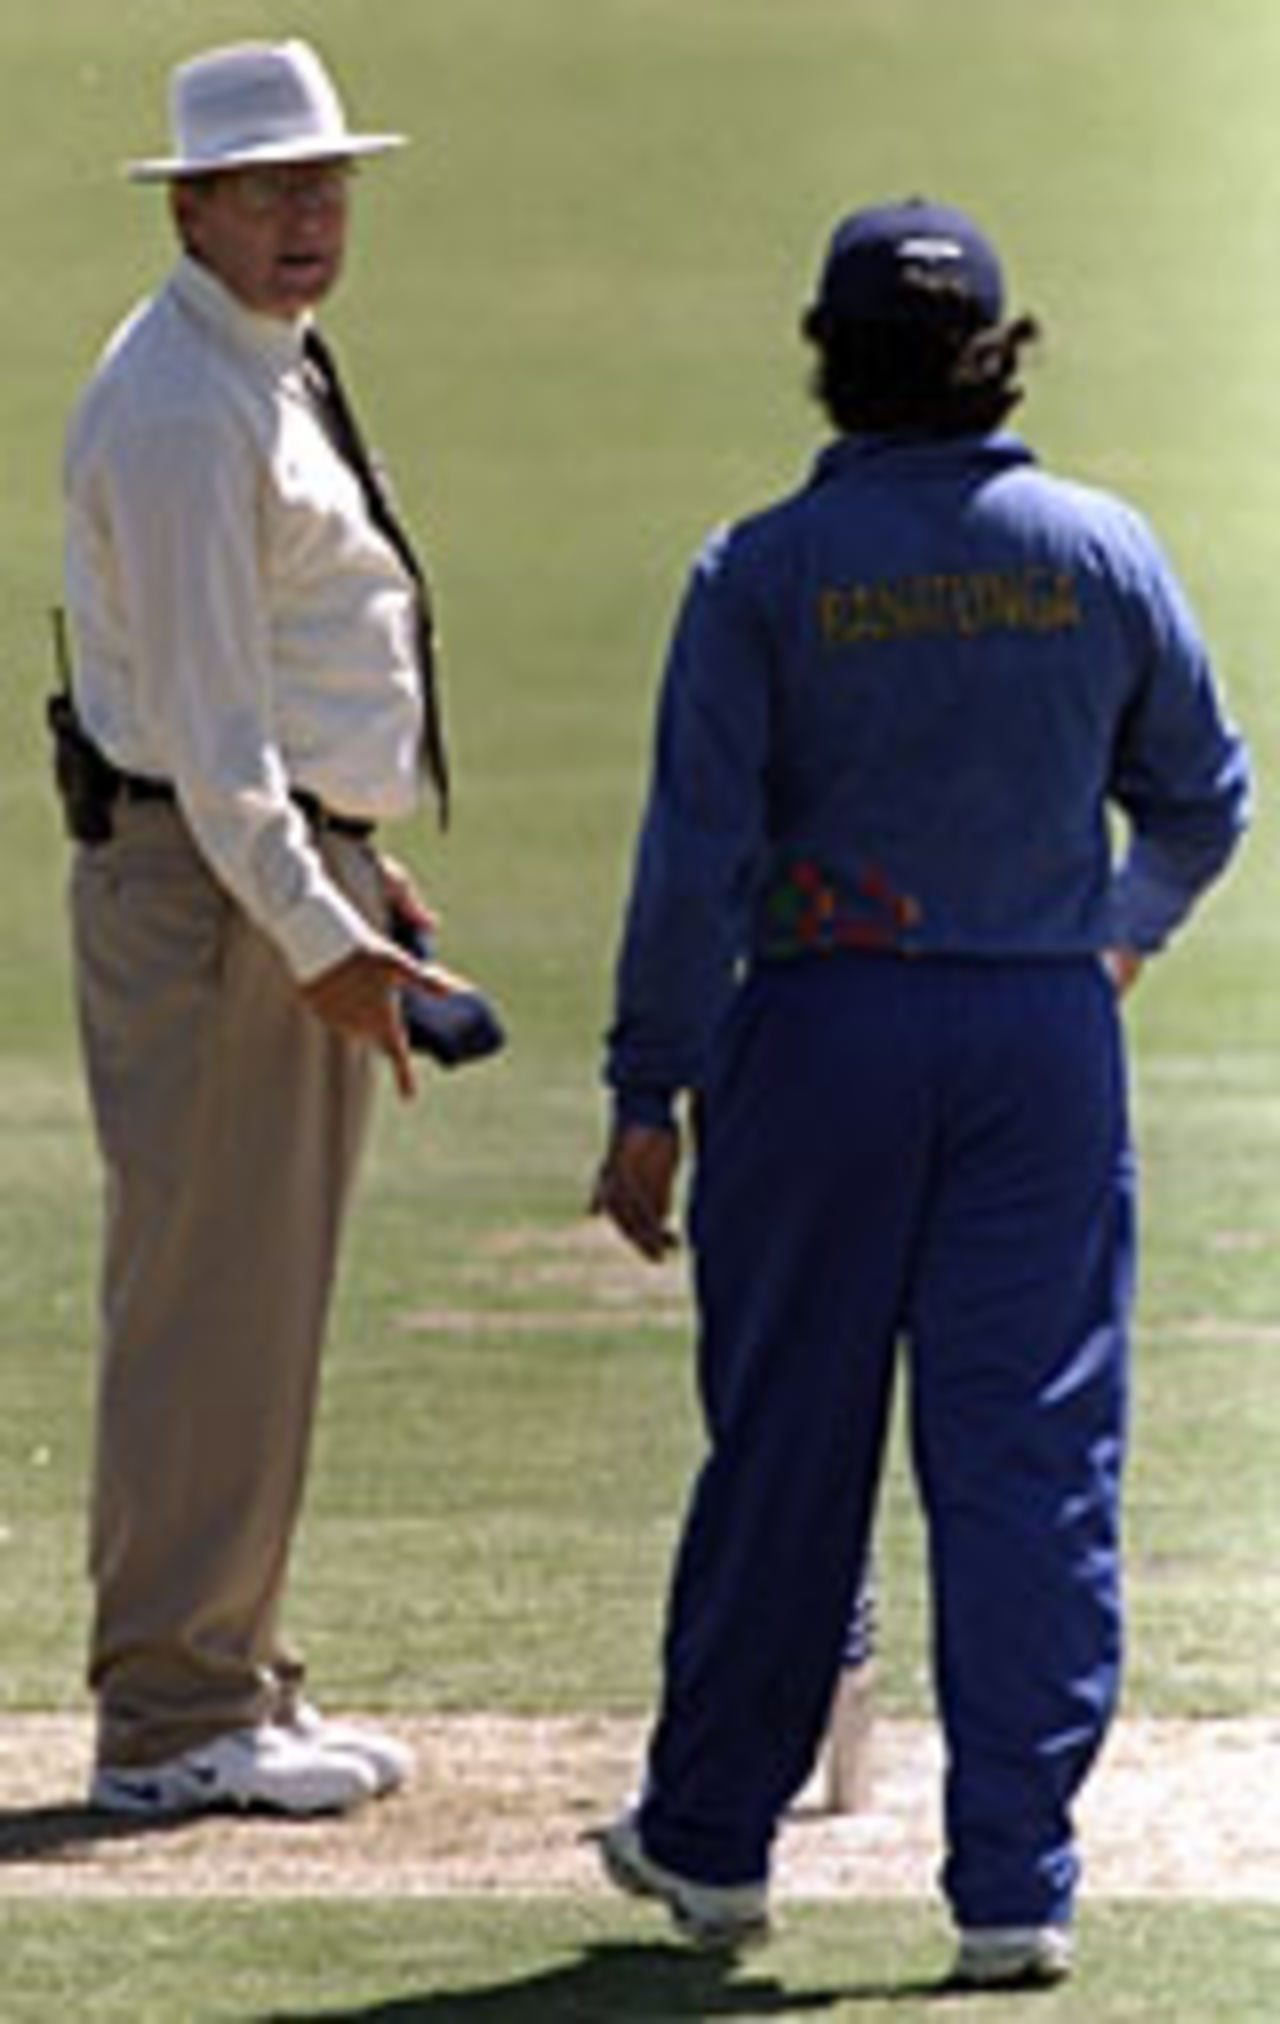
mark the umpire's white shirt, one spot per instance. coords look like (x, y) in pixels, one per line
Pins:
(240, 627)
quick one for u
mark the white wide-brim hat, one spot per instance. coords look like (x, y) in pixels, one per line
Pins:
(255, 102)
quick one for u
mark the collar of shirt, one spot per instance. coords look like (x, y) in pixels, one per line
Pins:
(270, 340)
(919, 456)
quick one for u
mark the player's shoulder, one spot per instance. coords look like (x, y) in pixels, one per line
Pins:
(752, 543)
(1085, 501)
(1082, 517)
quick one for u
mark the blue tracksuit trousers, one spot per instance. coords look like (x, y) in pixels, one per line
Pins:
(933, 1154)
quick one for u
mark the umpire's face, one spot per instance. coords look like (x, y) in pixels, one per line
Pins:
(273, 235)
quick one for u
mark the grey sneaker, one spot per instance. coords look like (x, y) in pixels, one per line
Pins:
(1012, 1957)
(265, 1768)
(718, 1917)
(390, 1761)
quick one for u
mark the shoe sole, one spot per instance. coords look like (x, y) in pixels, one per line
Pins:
(732, 1936)
(145, 1799)
(1033, 1970)
(1033, 1975)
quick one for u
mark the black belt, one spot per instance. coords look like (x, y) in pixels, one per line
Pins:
(141, 787)
(321, 817)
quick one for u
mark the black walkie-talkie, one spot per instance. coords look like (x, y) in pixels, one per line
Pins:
(86, 780)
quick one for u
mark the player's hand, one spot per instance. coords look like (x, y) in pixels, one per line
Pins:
(359, 998)
(1124, 967)
(635, 1184)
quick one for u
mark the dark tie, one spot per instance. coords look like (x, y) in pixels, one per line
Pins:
(326, 389)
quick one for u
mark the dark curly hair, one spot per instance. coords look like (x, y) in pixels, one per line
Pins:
(940, 369)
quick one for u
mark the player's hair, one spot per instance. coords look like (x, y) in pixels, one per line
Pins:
(942, 371)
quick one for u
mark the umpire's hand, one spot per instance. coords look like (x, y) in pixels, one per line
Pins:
(360, 998)
(635, 1184)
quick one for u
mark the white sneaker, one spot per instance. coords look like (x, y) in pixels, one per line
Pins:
(719, 1917)
(262, 1768)
(390, 1761)
(1012, 1957)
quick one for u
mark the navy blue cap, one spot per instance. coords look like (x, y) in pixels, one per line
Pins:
(876, 254)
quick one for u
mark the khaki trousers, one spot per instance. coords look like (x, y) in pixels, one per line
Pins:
(230, 1122)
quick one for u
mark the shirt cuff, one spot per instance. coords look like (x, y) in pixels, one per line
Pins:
(1146, 910)
(323, 930)
(655, 1108)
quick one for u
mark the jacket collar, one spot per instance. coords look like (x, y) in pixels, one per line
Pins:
(920, 456)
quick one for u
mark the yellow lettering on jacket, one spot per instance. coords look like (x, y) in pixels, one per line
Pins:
(966, 605)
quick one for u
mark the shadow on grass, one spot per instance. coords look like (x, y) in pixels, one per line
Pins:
(619, 1982)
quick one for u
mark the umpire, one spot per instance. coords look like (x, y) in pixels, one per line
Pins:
(877, 927)
(253, 686)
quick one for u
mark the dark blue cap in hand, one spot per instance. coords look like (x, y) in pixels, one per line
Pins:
(453, 1028)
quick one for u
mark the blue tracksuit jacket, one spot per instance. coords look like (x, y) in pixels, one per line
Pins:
(900, 709)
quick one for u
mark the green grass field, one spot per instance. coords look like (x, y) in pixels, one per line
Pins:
(473, 1962)
(571, 312)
